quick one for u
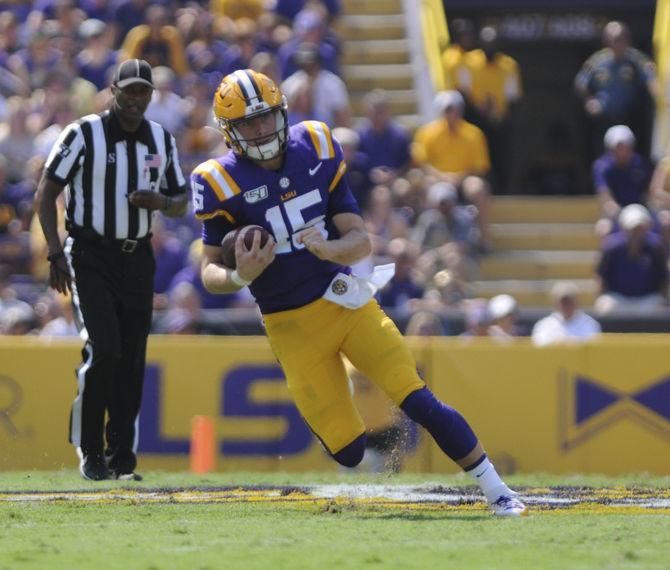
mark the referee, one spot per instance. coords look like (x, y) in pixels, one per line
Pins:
(116, 168)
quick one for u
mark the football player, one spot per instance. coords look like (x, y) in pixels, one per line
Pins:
(289, 181)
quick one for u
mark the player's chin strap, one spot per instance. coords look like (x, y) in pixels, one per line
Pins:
(352, 292)
(266, 151)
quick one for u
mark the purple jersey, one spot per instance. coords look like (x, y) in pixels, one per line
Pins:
(308, 190)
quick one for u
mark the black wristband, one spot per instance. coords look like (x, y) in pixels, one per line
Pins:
(55, 256)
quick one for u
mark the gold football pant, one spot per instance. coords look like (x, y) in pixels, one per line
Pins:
(308, 341)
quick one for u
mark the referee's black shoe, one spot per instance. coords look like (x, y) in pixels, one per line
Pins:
(92, 467)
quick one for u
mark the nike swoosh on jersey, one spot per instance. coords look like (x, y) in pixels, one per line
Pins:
(313, 171)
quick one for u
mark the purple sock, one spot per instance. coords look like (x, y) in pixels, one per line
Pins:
(448, 428)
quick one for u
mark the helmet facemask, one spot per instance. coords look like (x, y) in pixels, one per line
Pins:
(255, 148)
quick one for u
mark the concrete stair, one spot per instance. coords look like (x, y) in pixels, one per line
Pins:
(533, 293)
(537, 241)
(371, 7)
(353, 26)
(402, 102)
(555, 209)
(368, 77)
(574, 237)
(538, 264)
(376, 54)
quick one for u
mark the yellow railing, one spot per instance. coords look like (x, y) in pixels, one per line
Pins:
(435, 38)
(662, 55)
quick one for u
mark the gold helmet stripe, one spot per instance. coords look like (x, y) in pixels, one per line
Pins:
(248, 86)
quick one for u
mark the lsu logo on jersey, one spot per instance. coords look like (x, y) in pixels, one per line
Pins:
(589, 406)
(256, 194)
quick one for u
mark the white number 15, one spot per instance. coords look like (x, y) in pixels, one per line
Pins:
(293, 209)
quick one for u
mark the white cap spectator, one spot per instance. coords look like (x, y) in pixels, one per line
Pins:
(17, 320)
(163, 77)
(448, 99)
(502, 306)
(567, 323)
(564, 290)
(306, 21)
(346, 137)
(634, 215)
(91, 28)
(377, 98)
(618, 134)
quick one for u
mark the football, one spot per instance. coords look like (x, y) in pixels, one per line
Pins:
(228, 243)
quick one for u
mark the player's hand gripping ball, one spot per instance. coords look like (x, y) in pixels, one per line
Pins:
(228, 243)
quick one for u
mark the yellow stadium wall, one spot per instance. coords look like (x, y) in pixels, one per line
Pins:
(602, 407)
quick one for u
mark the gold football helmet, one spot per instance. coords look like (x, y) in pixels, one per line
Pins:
(243, 96)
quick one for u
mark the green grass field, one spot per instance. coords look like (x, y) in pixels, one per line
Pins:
(128, 526)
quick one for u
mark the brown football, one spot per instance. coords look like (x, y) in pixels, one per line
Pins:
(228, 243)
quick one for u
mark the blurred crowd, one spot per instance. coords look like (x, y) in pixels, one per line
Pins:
(425, 195)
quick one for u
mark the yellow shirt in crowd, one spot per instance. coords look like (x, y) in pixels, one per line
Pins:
(236, 9)
(461, 151)
(496, 82)
(452, 61)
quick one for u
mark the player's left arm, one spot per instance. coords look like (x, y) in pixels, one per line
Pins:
(352, 246)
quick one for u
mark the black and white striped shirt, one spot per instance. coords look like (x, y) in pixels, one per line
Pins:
(101, 164)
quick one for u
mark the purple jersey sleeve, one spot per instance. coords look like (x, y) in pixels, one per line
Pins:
(342, 200)
(213, 202)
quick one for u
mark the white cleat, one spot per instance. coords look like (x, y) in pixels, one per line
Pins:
(508, 506)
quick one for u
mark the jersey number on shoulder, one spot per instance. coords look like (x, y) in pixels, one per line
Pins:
(198, 198)
(293, 208)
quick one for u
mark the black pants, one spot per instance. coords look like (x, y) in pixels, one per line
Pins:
(112, 295)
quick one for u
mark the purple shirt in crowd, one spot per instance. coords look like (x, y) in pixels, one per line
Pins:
(98, 74)
(398, 292)
(171, 258)
(290, 8)
(287, 66)
(390, 148)
(16, 201)
(126, 15)
(627, 184)
(633, 276)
